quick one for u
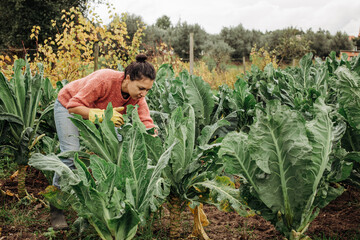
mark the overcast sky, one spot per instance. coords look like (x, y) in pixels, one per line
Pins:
(263, 15)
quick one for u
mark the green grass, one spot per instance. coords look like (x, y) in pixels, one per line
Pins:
(234, 66)
(17, 215)
(25, 217)
(7, 167)
(247, 231)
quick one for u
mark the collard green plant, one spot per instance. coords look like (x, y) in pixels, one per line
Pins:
(297, 87)
(121, 186)
(101, 138)
(192, 165)
(170, 92)
(236, 105)
(348, 87)
(19, 101)
(185, 107)
(333, 63)
(347, 83)
(285, 160)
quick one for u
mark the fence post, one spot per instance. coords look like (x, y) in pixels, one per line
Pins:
(96, 56)
(244, 64)
(191, 53)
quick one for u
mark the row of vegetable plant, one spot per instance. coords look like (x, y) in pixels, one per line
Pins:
(299, 122)
(290, 135)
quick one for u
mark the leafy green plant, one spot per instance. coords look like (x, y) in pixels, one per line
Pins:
(186, 113)
(297, 87)
(121, 186)
(170, 91)
(285, 161)
(19, 100)
(7, 166)
(50, 233)
(192, 166)
(347, 83)
(236, 105)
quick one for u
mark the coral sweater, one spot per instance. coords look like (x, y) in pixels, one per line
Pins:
(97, 90)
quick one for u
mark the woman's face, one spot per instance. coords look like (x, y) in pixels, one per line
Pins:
(138, 88)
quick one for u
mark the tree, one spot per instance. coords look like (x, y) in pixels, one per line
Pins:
(163, 22)
(356, 42)
(272, 38)
(153, 37)
(241, 40)
(179, 39)
(133, 23)
(319, 42)
(217, 53)
(18, 17)
(341, 42)
(292, 45)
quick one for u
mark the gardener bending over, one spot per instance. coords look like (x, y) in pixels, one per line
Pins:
(89, 96)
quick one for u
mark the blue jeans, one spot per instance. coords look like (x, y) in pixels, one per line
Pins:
(68, 135)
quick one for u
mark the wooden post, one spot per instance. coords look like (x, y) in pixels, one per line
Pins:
(244, 64)
(96, 56)
(191, 53)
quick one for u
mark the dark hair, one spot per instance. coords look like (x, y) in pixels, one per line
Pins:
(140, 69)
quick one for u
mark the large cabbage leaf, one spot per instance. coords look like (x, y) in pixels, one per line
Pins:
(235, 153)
(201, 99)
(284, 159)
(102, 140)
(279, 145)
(348, 85)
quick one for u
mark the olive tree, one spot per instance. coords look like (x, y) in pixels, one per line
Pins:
(241, 40)
(163, 22)
(320, 42)
(179, 39)
(217, 53)
(341, 42)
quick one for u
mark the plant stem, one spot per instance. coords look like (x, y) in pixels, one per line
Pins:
(175, 218)
(21, 181)
(350, 140)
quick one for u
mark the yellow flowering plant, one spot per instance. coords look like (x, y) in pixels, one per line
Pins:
(70, 54)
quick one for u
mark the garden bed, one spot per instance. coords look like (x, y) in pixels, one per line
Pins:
(30, 220)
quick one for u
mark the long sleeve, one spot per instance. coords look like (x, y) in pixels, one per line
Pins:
(88, 94)
(144, 113)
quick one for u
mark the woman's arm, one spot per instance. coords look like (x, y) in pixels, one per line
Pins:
(144, 113)
(81, 110)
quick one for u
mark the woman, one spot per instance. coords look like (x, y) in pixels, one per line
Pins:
(89, 97)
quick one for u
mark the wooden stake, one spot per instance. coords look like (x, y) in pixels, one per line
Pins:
(191, 53)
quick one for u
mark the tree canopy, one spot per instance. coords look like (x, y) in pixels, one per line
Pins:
(241, 40)
(163, 22)
(18, 17)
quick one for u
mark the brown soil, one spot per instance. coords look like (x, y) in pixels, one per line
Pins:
(339, 220)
